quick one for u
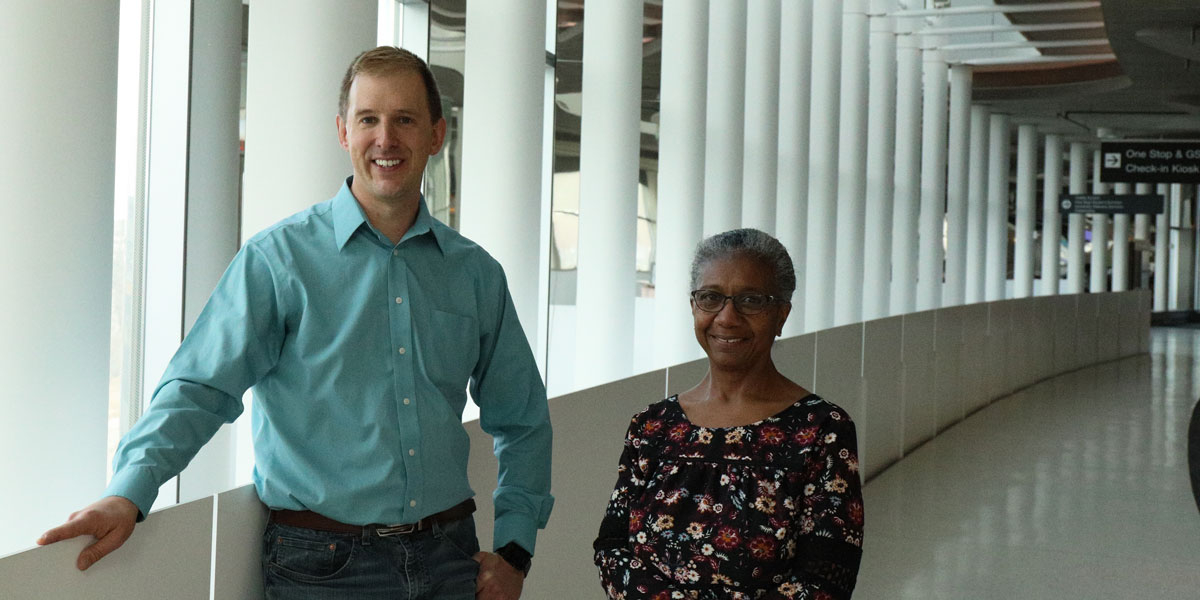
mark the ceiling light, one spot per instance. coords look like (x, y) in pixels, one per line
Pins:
(1013, 60)
(993, 8)
(1024, 44)
(1018, 28)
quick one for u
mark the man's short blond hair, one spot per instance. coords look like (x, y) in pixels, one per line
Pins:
(386, 60)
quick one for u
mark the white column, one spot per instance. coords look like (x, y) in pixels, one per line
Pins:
(1161, 237)
(933, 181)
(1141, 222)
(1176, 237)
(214, 171)
(1189, 194)
(908, 175)
(58, 62)
(1121, 225)
(1100, 235)
(501, 192)
(957, 185)
(1075, 222)
(997, 240)
(297, 32)
(852, 164)
(724, 127)
(610, 149)
(1188, 197)
(760, 154)
(795, 59)
(1120, 252)
(1051, 219)
(680, 175)
(977, 205)
(1182, 261)
(822, 160)
(1026, 190)
(1141, 231)
(881, 165)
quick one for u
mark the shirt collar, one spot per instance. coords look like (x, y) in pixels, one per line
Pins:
(348, 216)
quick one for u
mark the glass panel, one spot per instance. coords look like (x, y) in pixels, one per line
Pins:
(243, 434)
(447, 59)
(648, 175)
(564, 228)
(568, 100)
(125, 189)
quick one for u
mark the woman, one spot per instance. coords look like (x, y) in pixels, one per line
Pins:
(745, 486)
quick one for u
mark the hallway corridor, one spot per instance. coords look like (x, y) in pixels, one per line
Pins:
(1075, 488)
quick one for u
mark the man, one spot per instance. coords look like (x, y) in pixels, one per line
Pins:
(359, 322)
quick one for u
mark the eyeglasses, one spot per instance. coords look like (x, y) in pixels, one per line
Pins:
(746, 304)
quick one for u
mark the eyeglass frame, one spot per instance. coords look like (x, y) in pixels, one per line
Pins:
(771, 300)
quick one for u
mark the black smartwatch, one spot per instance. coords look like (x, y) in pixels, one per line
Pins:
(515, 555)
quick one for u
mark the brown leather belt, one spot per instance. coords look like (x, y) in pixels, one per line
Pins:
(311, 520)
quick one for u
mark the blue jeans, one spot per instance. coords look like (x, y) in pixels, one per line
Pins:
(304, 564)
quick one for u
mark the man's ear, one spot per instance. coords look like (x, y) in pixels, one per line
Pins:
(439, 136)
(341, 129)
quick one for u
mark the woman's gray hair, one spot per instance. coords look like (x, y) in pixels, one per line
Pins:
(755, 244)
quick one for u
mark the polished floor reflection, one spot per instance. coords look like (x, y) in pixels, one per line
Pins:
(1074, 488)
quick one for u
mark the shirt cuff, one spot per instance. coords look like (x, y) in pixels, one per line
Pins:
(135, 485)
(515, 527)
(519, 515)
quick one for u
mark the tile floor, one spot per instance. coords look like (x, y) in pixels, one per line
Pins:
(1075, 488)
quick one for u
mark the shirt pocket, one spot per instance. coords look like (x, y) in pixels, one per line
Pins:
(449, 351)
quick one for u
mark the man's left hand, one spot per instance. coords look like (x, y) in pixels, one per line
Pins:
(497, 580)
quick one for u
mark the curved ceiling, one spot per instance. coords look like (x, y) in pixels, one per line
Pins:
(1151, 89)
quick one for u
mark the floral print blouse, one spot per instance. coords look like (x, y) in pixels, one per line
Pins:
(763, 511)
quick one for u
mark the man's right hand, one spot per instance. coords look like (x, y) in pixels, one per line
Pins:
(110, 520)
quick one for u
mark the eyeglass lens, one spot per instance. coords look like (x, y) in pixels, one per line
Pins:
(746, 304)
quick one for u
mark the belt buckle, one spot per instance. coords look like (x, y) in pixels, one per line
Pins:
(392, 530)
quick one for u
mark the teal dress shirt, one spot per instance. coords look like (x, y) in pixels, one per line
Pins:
(360, 353)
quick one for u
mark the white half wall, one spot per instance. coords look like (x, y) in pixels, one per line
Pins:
(903, 379)
(169, 556)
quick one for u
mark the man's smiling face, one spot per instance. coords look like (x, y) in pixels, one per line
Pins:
(388, 131)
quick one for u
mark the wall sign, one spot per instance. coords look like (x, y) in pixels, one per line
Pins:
(1110, 203)
(1150, 162)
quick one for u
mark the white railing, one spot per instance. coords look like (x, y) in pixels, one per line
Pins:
(903, 379)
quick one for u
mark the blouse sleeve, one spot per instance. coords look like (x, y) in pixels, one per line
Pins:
(622, 574)
(829, 532)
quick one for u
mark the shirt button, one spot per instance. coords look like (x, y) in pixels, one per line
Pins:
(412, 452)
(412, 502)
(395, 253)
(399, 300)
(407, 401)
(402, 350)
